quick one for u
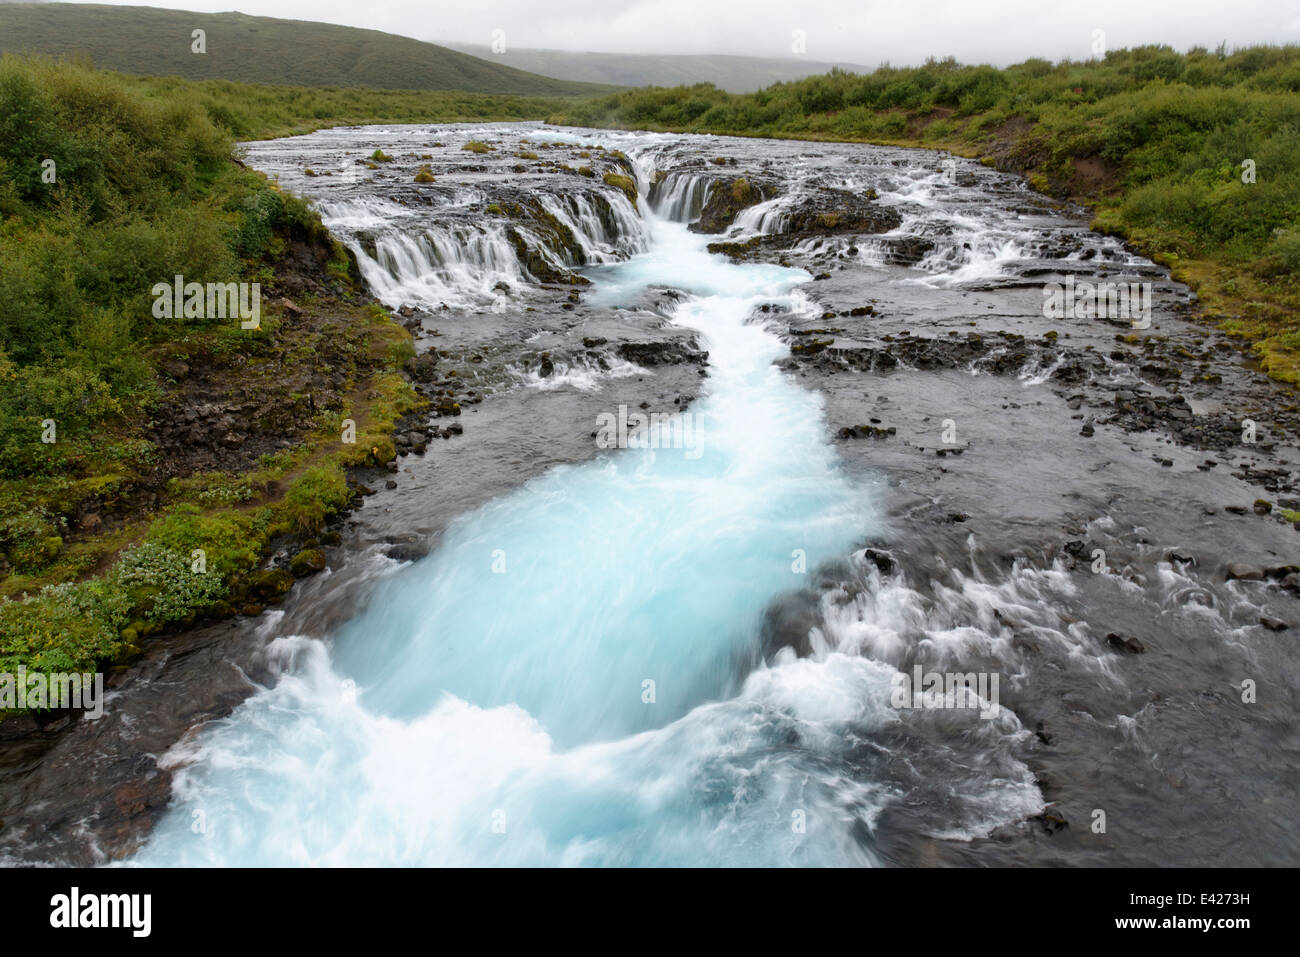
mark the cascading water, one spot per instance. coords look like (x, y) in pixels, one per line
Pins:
(620, 662)
(563, 680)
(680, 196)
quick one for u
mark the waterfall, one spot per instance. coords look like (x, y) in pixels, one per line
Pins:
(763, 219)
(617, 236)
(587, 701)
(680, 197)
(408, 257)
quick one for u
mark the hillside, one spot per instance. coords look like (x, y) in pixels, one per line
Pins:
(735, 74)
(144, 40)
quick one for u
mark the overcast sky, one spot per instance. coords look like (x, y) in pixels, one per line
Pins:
(857, 31)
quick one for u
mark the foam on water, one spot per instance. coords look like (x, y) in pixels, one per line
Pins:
(594, 699)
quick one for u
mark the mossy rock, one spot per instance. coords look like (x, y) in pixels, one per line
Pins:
(221, 610)
(309, 561)
(268, 585)
(424, 175)
(626, 183)
(727, 198)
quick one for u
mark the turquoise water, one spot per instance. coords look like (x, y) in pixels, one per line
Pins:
(570, 677)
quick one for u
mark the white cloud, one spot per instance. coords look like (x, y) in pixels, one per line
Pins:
(865, 31)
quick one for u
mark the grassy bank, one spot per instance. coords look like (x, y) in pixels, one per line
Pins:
(1155, 141)
(113, 526)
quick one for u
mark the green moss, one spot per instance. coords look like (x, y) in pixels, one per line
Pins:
(307, 562)
(626, 183)
(424, 174)
(478, 146)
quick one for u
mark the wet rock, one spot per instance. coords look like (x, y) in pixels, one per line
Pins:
(907, 250)
(881, 559)
(405, 552)
(726, 198)
(1262, 506)
(1051, 822)
(221, 610)
(1272, 624)
(1246, 573)
(307, 562)
(865, 432)
(267, 585)
(423, 368)
(1125, 644)
(829, 210)
(668, 352)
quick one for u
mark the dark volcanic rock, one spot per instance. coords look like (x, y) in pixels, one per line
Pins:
(1245, 573)
(1125, 644)
(839, 211)
(726, 198)
(661, 353)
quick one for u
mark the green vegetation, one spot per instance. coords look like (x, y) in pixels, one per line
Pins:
(1155, 140)
(145, 40)
(477, 146)
(106, 188)
(626, 183)
(252, 111)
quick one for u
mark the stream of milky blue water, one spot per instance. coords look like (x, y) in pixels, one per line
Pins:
(573, 676)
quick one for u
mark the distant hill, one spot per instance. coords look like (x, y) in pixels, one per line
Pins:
(145, 40)
(735, 74)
